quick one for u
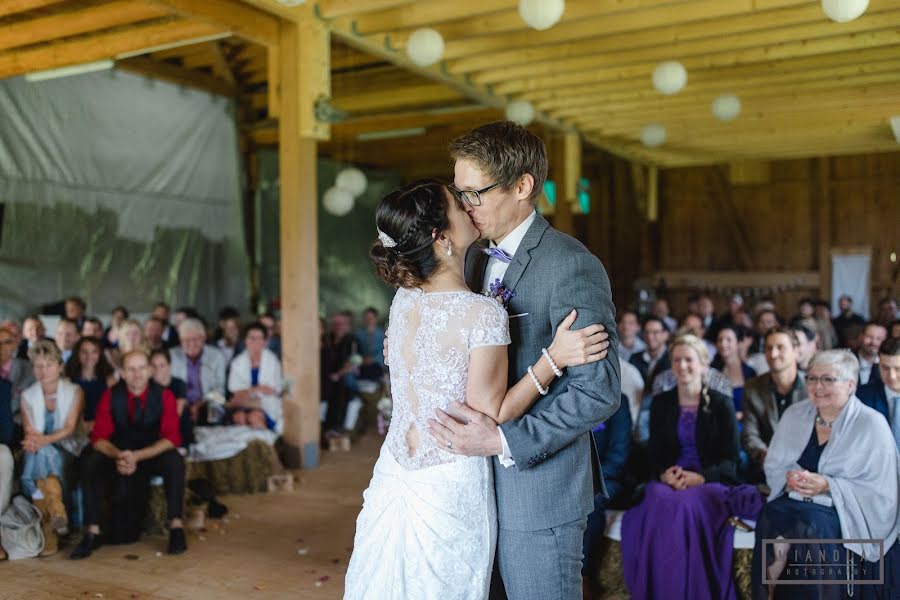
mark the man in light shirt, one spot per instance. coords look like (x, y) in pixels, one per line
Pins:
(873, 334)
(629, 342)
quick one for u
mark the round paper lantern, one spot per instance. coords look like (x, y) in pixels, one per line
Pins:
(669, 77)
(520, 111)
(726, 107)
(843, 11)
(541, 14)
(353, 180)
(337, 201)
(425, 46)
(653, 135)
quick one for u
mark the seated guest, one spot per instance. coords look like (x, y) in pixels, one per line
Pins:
(632, 387)
(682, 521)
(200, 366)
(826, 485)
(153, 333)
(162, 312)
(693, 324)
(728, 361)
(75, 309)
(66, 337)
(89, 369)
(827, 335)
(873, 334)
(119, 314)
(766, 320)
(16, 371)
(255, 383)
(161, 371)
(230, 342)
(7, 466)
(33, 331)
(887, 311)
(655, 358)
(661, 312)
(885, 396)
(894, 329)
(271, 324)
(807, 342)
(92, 327)
(129, 337)
(612, 439)
(629, 342)
(51, 413)
(135, 438)
(370, 342)
(767, 396)
(847, 324)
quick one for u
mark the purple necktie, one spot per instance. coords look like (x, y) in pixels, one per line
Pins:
(498, 253)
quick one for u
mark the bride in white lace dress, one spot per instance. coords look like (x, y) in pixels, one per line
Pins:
(428, 524)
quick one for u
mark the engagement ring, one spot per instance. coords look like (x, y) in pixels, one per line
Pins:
(449, 444)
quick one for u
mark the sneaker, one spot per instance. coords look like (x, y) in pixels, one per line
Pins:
(89, 543)
(177, 541)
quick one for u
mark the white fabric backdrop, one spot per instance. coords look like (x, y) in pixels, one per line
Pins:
(850, 275)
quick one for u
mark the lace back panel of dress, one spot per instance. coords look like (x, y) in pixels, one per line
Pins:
(428, 356)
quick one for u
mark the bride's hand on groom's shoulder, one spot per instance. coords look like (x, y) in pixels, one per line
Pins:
(467, 431)
(574, 347)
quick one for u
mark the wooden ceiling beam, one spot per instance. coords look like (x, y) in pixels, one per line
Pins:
(868, 39)
(425, 94)
(13, 7)
(165, 71)
(103, 46)
(93, 17)
(604, 41)
(421, 14)
(242, 20)
(696, 53)
(333, 9)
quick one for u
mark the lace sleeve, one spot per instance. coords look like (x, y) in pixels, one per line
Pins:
(490, 326)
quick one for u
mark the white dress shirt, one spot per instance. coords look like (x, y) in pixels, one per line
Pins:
(865, 370)
(496, 269)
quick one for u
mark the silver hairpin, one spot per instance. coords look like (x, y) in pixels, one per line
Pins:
(386, 240)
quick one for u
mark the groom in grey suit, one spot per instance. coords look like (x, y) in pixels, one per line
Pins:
(545, 467)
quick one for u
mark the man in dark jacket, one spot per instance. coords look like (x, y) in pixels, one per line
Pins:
(884, 395)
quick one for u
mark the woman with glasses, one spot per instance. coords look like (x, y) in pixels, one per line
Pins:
(255, 383)
(833, 470)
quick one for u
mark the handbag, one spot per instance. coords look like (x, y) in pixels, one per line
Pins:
(20, 529)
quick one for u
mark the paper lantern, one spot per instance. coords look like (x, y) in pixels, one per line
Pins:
(843, 11)
(669, 77)
(425, 46)
(337, 201)
(520, 111)
(653, 135)
(353, 180)
(541, 14)
(726, 107)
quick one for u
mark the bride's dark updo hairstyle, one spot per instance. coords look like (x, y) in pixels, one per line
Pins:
(408, 216)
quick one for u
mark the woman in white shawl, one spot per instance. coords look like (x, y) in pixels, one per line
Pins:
(254, 380)
(834, 472)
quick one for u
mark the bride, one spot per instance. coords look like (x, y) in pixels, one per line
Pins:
(428, 523)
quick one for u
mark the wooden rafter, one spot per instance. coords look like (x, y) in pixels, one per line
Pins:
(242, 20)
(166, 71)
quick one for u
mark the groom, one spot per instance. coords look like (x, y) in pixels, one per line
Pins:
(544, 469)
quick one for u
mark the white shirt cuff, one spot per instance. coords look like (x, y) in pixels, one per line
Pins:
(505, 458)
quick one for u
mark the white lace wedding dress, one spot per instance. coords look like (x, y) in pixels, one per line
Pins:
(428, 525)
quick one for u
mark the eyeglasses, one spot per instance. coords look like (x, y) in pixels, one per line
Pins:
(472, 197)
(827, 381)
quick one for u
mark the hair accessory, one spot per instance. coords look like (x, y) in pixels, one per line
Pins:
(386, 240)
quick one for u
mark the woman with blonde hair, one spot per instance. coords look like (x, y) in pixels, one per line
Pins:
(51, 415)
(676, 543)
(130, 336)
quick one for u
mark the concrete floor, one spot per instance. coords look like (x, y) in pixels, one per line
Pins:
(253, 554)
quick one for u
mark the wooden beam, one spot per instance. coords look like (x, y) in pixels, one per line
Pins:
(69, 23)
(165, 71)
(220, 65)
(420, 14)
(103, 46)
(242, 20)
(12, 7)
(299, 245)
(332, 9)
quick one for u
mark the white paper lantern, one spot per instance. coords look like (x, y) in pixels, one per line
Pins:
(653, 135)
(669, 77)
(425, 46)
(520, 111)
(843, 11)
(337, 201)
(541, 14)
(726, 107)
(353, 180)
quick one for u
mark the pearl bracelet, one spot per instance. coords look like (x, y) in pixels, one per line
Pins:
(537, 383)
(556, 370)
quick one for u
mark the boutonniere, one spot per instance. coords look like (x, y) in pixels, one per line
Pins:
(498, 292)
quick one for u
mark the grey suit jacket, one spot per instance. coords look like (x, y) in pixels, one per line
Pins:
(212, 368)
(552, 482)
(21, 376)
(761, 414)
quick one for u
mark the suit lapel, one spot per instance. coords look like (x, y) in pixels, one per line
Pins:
(476, 264)
(523, 254)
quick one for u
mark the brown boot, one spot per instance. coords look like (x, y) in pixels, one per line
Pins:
(51, 541)
(51, 488)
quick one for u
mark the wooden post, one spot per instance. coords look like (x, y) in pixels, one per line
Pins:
(821, 200)
(569, 170)
(303, 61)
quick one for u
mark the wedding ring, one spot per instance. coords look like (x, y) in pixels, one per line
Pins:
(450, 444)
